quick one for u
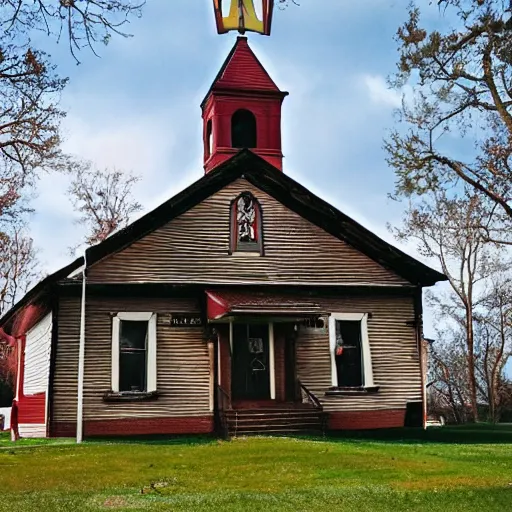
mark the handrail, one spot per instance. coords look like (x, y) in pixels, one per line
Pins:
(324, 417)
(311, 396)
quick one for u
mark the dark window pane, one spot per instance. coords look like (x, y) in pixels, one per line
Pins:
(132, 359)
(348, 354)
(133, 335)
(209, 138)
(243, 129)
(132, 371)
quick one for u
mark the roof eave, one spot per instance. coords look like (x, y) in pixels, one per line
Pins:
(40, 288)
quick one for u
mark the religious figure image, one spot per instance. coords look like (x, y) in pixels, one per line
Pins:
(246, 217)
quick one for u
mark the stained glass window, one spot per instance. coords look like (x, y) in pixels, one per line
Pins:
(246, 229)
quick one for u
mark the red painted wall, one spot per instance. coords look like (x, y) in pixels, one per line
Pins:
(365, 420)
(30, 409)
(137, 426)
(220, 110)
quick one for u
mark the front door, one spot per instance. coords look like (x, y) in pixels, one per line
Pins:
(250, 377)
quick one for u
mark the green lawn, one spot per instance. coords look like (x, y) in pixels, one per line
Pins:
(405, 471)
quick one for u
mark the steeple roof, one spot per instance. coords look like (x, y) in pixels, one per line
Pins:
(242, 71)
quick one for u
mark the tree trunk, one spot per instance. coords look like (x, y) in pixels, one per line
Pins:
(471, 364)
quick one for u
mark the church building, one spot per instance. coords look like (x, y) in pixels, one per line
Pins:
(245, 304)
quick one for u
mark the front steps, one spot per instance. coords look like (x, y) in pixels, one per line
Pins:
(299, 421)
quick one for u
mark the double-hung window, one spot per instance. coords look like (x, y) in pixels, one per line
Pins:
(351, 362)
(134, 353)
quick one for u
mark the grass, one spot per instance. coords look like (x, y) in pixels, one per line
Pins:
(401, 471)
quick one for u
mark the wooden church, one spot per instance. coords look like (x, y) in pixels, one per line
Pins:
(244, 304)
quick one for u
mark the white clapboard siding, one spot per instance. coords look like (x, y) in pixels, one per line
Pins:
(32, 430)
(37, 357)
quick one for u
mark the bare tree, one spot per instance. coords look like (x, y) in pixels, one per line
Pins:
(29, 115)
(8, 364)
(84, 22)
(30, 87)
(103, 197)
(448, 230)
(493, 335)
(448, 387)
(18, 265)
(462, 83)
(448, 384)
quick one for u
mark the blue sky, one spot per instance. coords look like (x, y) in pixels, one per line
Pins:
(137, 107)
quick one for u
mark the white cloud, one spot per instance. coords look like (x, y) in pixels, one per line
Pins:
(380, 93)
(133, 144)
(138, 144)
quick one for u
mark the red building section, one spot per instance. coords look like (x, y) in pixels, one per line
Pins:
(137, 427)
(242, 84)
(366, 420)
(28, 418)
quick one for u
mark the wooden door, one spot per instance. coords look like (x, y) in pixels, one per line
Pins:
(250, 374)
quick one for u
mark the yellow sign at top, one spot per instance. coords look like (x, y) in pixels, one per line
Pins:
(242, 16)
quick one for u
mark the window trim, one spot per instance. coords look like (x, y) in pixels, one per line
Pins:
(151, 368)
(365, 346)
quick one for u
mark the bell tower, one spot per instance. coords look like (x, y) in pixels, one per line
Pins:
(242, 110)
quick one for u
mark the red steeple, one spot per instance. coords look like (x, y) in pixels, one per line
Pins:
(242, 110)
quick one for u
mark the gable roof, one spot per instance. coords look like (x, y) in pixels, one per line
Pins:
(291, 194)
(242, 71)
(257, 171)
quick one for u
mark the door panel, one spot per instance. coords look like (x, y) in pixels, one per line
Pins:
(250, 371)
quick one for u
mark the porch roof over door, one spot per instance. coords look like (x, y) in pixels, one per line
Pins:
(221, 304)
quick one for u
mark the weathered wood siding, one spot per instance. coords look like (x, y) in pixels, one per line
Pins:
(395, 359)
(193, 248)
(65, 376)
(183, 367)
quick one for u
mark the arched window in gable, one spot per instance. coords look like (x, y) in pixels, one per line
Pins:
(243, 129)
(246, 224)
